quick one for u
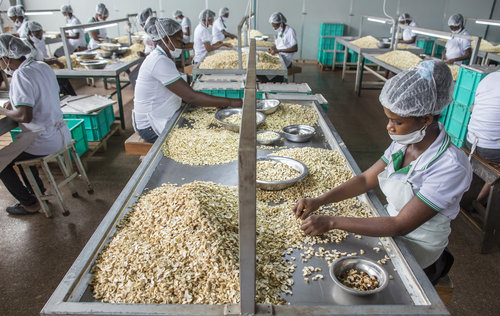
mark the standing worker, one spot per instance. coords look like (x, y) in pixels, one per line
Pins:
(408, 36)
(202, 37)
(76, 37)
(160, 89)
(96, 36)
(34, 104)
(422, 174)
(185, 24)
(457, 49)
(16, 14)
(219, 30)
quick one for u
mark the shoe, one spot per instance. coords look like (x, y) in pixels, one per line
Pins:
(18, 209)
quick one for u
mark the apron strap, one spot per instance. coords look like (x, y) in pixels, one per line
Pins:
(413, 167)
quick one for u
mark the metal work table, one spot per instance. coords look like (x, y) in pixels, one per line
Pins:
(492, 56)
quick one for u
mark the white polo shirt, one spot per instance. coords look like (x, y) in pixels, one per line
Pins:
(76, 42)
(485, 119)
(38, 51)
(286, 39)
(185, 24)
(201, 35)
(34, 84)
(408, 34)
(156, 73)
(456, 47)
(441, 176)
(217, 28)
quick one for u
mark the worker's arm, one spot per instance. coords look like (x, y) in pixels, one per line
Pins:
(95, 35)
(410, 41)
(54, 61)
(211, 47)
(292, 49)
(183, 90)
(468, 53)
(227, 34)
(413, 214)
(353, 187)
(20, 114)
(443, 55)
(188, 31)
(187, 45)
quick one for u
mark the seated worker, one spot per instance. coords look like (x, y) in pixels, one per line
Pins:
(96, 36)
(203, 39)
(483, 135)
(34, 104)
(159, 89)
(457, 49)
(422, 174)
(186, 25)
(219, 32)
(408, 36)
(76, 37)
(16, 14)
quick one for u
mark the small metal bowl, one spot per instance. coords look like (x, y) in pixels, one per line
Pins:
(122, 51)
(383, 44)
(276, 138)
(261, 38)
(222, 114)
(105, 54)
(94, 64)
(280, 185)
(298, 133)
(86, 55)
(341, 265)
(109, 46)
(268, 106)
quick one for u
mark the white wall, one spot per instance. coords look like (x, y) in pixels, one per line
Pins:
(427, 13)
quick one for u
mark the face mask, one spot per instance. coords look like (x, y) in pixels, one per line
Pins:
(457, 31)
(7, 69)
(176, 53)
(412, 138)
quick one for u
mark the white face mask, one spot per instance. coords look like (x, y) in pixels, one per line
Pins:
(7, 69)
(457, 31)
(412, 138)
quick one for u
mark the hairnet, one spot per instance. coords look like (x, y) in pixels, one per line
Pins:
(405, 17)
(12, 47)
(144, 15)
(166, 26)
(277, 18)
(223, 11)
(456, 20)
(207, 14)
(150, 29)
(100, 9)
(418, 91)
(16, 10)
(34, 26)
(66, 9)
(105, 13)
(177, 13)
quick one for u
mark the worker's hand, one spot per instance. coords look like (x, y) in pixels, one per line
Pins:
(58, 35)
(7, 105)
(233, 37)
(273, 50)
(449, 61)
(59, 64)
(317, 225)
(227, 45)
(304, 207)
(141, 54)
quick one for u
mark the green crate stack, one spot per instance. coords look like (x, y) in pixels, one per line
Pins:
(331, 29)
(466, 84)
(426, 44)
(353, 57)
(225, 93)
(96, 124)
(439, 51)
(327, 43)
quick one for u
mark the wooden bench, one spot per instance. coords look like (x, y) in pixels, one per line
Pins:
(444, 288)
(135, 145)
(489, 172)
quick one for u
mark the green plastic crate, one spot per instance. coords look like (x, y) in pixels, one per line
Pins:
(328, 43)
(97, 134)
(353, 57)
(459, 112)
(457, 131)
(442, 116)
(225, 93)
(332, 29)
(426, 44)
(110, 115)
(96, 124)
(466, 85)
(439, 51)
(326, 58)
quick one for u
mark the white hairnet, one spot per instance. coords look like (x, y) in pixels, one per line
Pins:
(207, 14)
(34, 26)
(405, 17)
(456, 20)
(16, 10)
(150, 29)
(105, 13)
(177, 13)
(277, 18)
(66, 9)
(100, 9)
(223, 11)
(144, 15)
(419, 91)
(13, 47)
(166, 26)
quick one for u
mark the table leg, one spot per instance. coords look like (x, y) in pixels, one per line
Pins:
(344, 66)
(359, 74)
(120, 101)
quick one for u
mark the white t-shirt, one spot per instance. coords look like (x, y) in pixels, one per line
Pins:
(217, 28)
(156, 73)
(456, 47)
(77, 42)
(201, 35)
(23, 29)
(186, 23)
(38, 50)
(285, 40)
(485, 119)
(441, 176)
(408, 34)
(34, 84)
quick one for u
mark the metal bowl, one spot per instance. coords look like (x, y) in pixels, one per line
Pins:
(122, 51)
(86, 55)
(280, 185)
(343, 264)
(222, 114)
(383, 44)
(298, 133)
(105, 54)
(94, 64)
(267, 106)
(109, 46)
(276, 138)
(261, 38)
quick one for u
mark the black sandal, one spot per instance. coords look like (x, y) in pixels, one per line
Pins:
(18, 209)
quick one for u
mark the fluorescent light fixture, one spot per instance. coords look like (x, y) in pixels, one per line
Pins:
(39, 13)
(377, 20)
(431, 34)
(488, 22)
(100, 27)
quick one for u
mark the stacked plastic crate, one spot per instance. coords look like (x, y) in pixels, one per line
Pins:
(326, 47)
(427, 44)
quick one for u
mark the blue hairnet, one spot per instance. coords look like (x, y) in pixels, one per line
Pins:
(223, 11)
(166, 26)
(66, 9)
(456, 20)
(16, 10)
(150, 28)
(206, 14)
(100, 9)
(144, 15)
(13, 47)
(177, 13)
(277, 18)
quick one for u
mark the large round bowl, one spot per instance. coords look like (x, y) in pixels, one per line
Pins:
(276, 137)
(94, 64)
(280, 185)
(344, 264)
(86, 55)
(109, 46)
(298, 133)
(267, 106)
(222, 114)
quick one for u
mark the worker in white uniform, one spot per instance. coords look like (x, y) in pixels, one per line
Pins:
(286, 40)
(34, 104)
(76, 37)
(97, 36)
(219, 29)
(408, 36)
(457, 49)
(483, 135)
(159, 89)
(16, 14)
(203, 38)
(422, 174)
(185, 24)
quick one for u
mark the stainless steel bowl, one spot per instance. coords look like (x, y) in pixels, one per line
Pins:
(298, 133)
(383, 44)
(343, 264)
(268, 106)
(86, 55)
(109, 46)
(280, 185)
(262, 38)
(276, 138)
(94, 64)
(105, 54)
(222, 114)
(121, 51)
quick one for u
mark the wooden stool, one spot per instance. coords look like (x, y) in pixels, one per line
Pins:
(63, 159)
(445, 289)
(135, 145)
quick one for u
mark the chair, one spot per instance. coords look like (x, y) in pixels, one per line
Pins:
(64, 159)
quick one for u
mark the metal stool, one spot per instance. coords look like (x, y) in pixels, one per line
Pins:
(63, 159)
